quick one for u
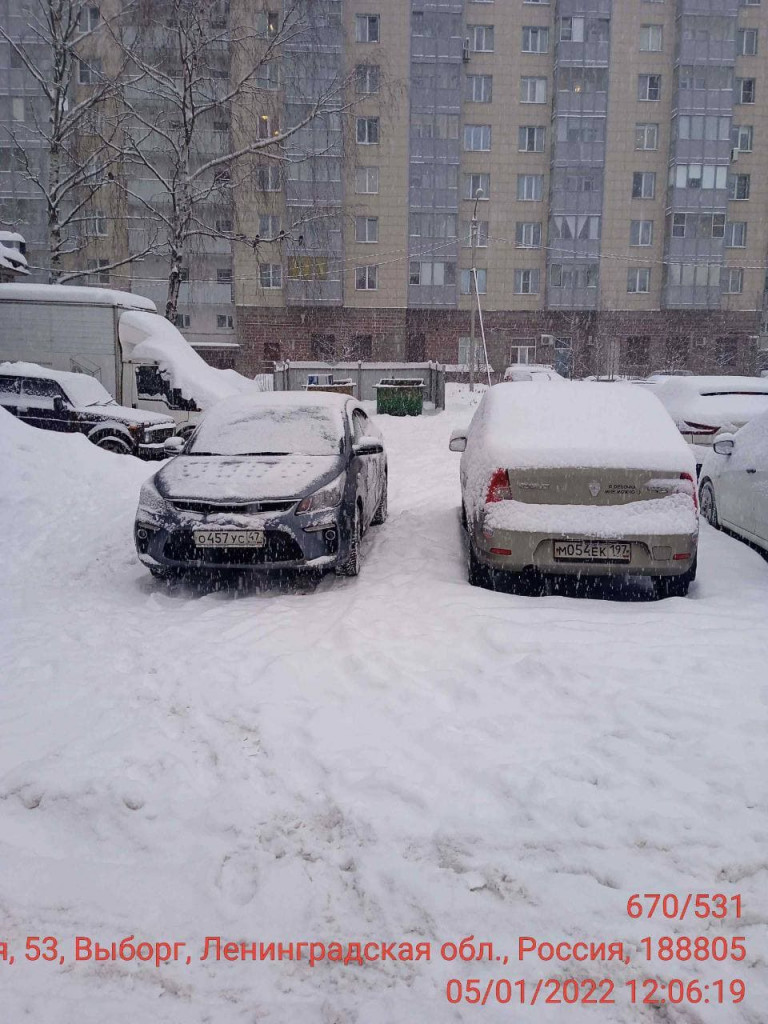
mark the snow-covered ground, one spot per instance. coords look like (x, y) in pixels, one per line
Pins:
(398, 757)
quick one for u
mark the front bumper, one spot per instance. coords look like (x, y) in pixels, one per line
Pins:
(151, 451)
(291, 542)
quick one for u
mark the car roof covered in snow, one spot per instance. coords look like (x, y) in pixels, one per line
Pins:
(715, 384)
(579, 424)
(21, 369)
(74, 293)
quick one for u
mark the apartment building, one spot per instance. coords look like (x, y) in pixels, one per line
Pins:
(615, 153)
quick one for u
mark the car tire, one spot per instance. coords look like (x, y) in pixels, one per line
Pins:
(708, 504)
(351, 565)
(113, 443)
(525, 584)
(380, 515)
(675, 586)
(479, 575)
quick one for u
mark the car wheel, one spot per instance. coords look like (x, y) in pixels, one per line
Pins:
(111, 443)
(675, 586)
(380, 515)
(479, 575)
(351, 566)
(708, 504)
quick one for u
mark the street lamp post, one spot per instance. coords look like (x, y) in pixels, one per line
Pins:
(473, 274)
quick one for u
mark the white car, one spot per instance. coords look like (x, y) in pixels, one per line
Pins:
(734, 482)
(577, 480)
(704, 407)
(531, 371)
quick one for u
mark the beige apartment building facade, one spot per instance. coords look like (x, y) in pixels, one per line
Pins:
(617, 151)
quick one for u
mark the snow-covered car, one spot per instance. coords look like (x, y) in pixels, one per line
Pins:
(577, 480)
(531, 371)
(704, 407)
(75, 403)
(270, 481)
(733, 488)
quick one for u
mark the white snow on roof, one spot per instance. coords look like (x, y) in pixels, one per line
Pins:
(578, 425)
(148, 336)
(21, 369)
(12, 236)
(73, 293)
(12, 259)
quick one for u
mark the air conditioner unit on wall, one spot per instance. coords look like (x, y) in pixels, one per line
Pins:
(547, 339)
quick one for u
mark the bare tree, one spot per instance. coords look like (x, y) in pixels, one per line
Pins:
(64, 146)
(202, 117)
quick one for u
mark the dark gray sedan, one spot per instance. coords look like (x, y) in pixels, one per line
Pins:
(271, 481)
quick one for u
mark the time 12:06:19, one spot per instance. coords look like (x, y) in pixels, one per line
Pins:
(655, 993)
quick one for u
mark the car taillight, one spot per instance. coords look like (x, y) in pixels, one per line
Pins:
(498, 488)
(693, 493)
(701, 428)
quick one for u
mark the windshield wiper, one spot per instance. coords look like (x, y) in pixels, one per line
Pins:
(262, 453)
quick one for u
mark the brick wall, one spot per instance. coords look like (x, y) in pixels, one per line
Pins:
(635, 342)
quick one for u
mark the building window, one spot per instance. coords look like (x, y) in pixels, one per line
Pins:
(323, 346)
(99, 275)
(225, 321)
(224, 275)
(747, 42)
(464, 353)
(431, 272)
(480, 38)
(698, 275)
(530, 186)
(643, 185)
(639, 279)
(726, 354)
(367, 28)
(270, 275)
(474, 183)
(704, 176)
(481, 235)
(366, 278)
(479, 89)
(533, 90)
(527, 282)
(466, 282)
(738, 186)
(528, 234)
(223, 225)
(267, 178)
(367, 79)
(699, 126)
(745, 90)
(267, 24)
(535, 40)
(477, 137)
(646, 136)
(366, 229)
(572, 30)
(17, 108)
(649, 87)
(650, 38)
(732, 280)
(563, 275)
(736, 234)
(182, 320)
(432, 225)
(367, 180)
(368, 131)
(269, 227)
(89, 19)
(89, 72)
(530, 138)
(271, 351)
(96, 224)
(641, 232)
(583, 227)
(743, 136)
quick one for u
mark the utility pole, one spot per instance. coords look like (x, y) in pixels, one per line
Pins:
(473, 274)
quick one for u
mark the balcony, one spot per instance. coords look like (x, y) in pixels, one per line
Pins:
(444, 151)
(702, 199)
(712, 51)
(702, 151)
(590, 53)
(428, 296)
(690, 250)
(573, 154)
(298, 292)
(567, 102)
(703, 101)
(687, 296)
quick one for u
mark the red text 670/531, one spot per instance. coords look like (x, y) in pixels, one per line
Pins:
(669, 905)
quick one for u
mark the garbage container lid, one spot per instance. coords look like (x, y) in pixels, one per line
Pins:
(401, 382)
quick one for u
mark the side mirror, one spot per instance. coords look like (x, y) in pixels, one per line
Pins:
(458, 441)
(724, 446)
(174, 445)
(368, 445)
(59, 405)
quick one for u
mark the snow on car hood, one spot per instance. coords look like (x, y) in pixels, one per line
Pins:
(126, 415)
(244, 478)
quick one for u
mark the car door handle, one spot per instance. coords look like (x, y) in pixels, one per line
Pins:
(751, 470)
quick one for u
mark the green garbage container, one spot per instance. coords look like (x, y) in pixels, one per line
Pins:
(400, 396)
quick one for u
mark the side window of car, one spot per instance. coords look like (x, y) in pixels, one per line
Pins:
(38, 387)
(361, 425)
(9, 389)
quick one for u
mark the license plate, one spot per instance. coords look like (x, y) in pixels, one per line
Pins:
(593, 551)
(229, 538)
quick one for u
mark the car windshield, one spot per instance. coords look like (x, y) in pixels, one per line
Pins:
(271, 430)
(83, 390)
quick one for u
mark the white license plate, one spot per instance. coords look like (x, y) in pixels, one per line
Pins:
(593, 551)
(229, 538)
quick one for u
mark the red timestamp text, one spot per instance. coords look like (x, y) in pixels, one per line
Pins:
(669, 905)
(501, 991)
(652, 992)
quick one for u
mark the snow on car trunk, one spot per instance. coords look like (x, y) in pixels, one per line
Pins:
(398, 758)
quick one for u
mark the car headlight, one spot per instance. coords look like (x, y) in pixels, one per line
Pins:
(327, 497)
(152, 505)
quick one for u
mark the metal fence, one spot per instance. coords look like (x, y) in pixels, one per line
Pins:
(290, 376)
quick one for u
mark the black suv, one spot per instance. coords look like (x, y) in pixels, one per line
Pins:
(77, 403)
